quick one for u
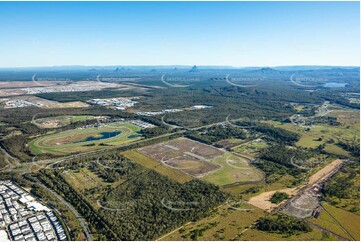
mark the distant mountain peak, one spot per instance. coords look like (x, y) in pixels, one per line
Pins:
(194, 69)
(265, 70)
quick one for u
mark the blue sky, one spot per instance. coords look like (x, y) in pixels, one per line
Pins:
(182, 33)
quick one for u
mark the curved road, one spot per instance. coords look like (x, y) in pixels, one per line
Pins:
(73, 210)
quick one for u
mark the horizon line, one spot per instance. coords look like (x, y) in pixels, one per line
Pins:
(176, 65)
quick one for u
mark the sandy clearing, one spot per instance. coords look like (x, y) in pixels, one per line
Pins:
(262, 200)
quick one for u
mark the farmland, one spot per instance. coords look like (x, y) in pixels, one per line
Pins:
(91, 138)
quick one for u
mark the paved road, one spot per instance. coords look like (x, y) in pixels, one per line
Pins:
(73, 210)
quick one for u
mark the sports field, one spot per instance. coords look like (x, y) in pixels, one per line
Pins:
(85, 139)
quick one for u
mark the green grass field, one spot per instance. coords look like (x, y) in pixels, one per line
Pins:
(314, 235)
(251, 147)
(72, 141)
(225, 224)
(349, 128)
(235, 169)
(349, 221)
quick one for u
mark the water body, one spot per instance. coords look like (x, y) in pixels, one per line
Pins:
(133, 136)
(334, 84)
(103, 135)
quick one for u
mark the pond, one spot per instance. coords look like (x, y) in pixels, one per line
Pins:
(334, 84)
(133, 136)
(103, 135)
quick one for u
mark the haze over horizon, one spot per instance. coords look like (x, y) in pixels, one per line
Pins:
(237, 34)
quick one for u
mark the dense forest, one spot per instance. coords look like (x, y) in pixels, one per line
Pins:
(282, 224)
(217, 133)
(143, 206)
(155, 205)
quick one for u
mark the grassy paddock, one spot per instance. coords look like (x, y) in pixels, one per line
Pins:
(348, 220)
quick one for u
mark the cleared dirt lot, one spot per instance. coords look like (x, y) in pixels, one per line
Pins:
(262, 200)
(188, 156)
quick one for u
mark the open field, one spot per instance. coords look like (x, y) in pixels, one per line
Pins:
(60, 121)
(83, 179)
(188, 156)
(203, 161)
(349, 221)
(257, 235)
(349, 129)
(251, 147)
(229, 143)
(34, 87)
(43, 103)
(86, 139)
(225, 224)
(235, 169)
(150, 163)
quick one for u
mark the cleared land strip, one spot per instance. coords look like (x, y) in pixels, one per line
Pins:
(325, 172)
(262, 200)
